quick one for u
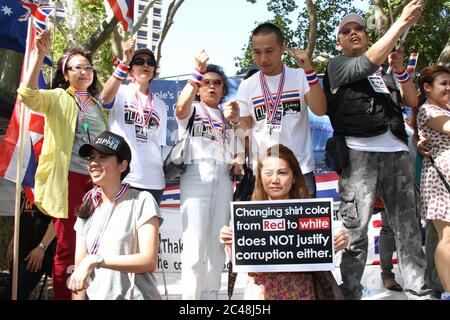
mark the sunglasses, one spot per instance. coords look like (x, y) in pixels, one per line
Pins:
(214, 82)
(79, 68)
(347, 31)
(141, 61)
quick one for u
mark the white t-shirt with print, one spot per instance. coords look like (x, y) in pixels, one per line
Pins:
(206, 143)
(295, 129)
(145, 135)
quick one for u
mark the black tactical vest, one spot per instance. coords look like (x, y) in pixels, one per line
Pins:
(357, 110)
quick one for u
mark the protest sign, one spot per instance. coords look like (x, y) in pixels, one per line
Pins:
(283, 235)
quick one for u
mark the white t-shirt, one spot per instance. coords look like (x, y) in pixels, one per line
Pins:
(145, 136)
(295, 129)
(207, 143)
(120, 238)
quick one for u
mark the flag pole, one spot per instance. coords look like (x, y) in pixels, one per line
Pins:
(52, 67)
(19, 174)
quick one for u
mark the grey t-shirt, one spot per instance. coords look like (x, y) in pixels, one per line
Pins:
(343, 70)
(120, 238)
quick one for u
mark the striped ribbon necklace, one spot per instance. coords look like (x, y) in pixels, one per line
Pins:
(216, 132)
(82, 106)
(271, 104)
(142, 108)
(95, 194)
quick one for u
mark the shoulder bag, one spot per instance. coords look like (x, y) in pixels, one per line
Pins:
(175, 162)
(441, 175)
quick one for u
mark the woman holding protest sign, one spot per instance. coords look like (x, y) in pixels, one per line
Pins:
(278, 177)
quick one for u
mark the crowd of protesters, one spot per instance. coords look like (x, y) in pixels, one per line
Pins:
(100, 173)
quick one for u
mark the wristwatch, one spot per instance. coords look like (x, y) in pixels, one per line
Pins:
(98, 260)
(42, 246)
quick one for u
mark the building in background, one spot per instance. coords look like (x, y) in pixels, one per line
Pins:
(149, 33)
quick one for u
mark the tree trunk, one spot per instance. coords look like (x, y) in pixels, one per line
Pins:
(312, 28)
(444, 57)
(102, 34)
(381, 20)
(10, 72)
(171, 11)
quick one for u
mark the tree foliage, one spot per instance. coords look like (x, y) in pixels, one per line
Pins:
(430, 37)
(87, 15)
(297, 33)
(328, 13)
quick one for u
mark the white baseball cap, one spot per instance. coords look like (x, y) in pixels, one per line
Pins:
(351, 17)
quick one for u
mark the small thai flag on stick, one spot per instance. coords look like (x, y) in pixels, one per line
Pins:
(412, 62)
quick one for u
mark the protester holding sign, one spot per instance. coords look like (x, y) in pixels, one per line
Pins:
(365, 110)
(72, 118)
(433, 122)
(139, 116)
(205, 187)
(279, 177)
(117, 229)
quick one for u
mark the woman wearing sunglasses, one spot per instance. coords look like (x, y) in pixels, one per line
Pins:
(206, 187)
(72, 118)
(139, 116)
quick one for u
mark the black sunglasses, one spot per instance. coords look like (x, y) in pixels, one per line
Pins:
(141, 61)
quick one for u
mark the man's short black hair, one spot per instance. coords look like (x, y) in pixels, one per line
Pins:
(267, 28)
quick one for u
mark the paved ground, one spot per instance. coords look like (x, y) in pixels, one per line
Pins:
(374, 289)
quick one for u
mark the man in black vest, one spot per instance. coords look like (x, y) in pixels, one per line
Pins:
(365, 109)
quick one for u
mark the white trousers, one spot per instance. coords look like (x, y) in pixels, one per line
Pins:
(206, 192)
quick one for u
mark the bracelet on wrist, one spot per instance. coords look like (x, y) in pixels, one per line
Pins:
(197, 76)
(402, 77)
(42, 246)
(311, 76)
(121, 71)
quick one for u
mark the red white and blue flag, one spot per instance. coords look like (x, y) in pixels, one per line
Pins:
(124, 12)
(412, 62)
(33, 131)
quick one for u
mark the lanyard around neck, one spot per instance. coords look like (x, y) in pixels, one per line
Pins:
(95, 194)
(143, 108)
(82, 106)
(270, 103)
(216, 132)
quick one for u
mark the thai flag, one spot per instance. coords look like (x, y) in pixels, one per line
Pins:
(412, 62)
(33, 131)
(327, 187)
(124, 12)
(171, 195)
